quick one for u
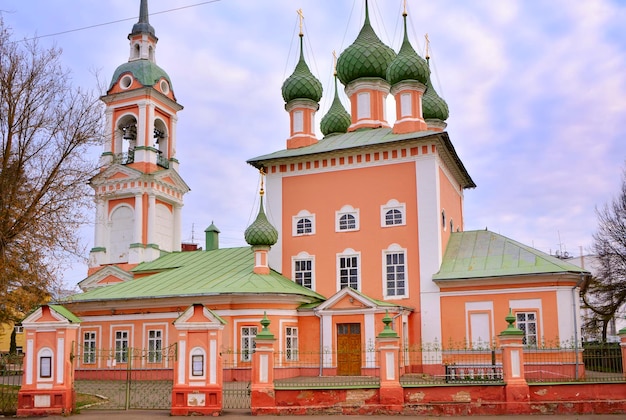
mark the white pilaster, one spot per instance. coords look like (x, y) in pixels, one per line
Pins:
(177, 236)
(430, 254)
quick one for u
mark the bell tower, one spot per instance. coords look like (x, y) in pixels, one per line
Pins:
(138, 191)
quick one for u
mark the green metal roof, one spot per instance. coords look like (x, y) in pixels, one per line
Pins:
(61, 310)
(370, 137)
(146, 72)
(481, 253)
(199, 273)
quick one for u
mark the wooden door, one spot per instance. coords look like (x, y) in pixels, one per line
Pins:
(348, 349)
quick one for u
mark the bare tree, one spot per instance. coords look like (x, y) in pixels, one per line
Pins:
(46, 128)
(605, 295)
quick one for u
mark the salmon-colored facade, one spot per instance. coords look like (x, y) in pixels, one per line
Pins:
(367, 229)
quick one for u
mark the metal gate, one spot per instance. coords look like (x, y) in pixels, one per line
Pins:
(236, 395)
(11, 369)
(126, 378)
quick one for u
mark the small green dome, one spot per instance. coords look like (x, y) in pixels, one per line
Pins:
(433, 106)
(302, 84)
(337, 119)
(146, 71)
(261, 231)
(368, 56)
(407, 65)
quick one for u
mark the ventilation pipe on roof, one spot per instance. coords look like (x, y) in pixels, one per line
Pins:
(212, 237)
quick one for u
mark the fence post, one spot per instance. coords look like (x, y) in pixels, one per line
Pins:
(198, 369)
(622, 346)
(516, 387)
(48, 382)
(263, 400)
(388, 344)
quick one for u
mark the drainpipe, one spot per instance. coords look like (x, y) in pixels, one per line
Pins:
(317, 314)
(575, 313)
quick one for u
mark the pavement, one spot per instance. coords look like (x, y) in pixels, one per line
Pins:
(236, 414)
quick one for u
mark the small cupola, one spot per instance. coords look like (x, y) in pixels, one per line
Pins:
(261, 235)
(212, 237)
(362, 68)
(408, 75)
(434, 108)
(142, 37)
(302, 92)
(337, 119)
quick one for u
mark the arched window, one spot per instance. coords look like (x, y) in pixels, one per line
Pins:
(303, 224)
(347, 219)
(392, 214)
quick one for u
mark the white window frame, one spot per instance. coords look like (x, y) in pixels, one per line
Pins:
(298, 121)
(303, 214)
(406, 106)
(19, 329)
(248, 342)
(89, 347)
(348, 255)
(155, 346)
(523, 325)
(391, 250)
(121, 346)
(303, 257)
(364, 105)
(347, 210)
(390, 206)
(291, 344)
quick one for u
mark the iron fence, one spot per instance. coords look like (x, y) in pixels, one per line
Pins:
(11, 369)
(451, 363)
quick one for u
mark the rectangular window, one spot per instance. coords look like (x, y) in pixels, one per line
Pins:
(406, 108)
(121, 346)
(89, 347)
(291, 343)
(298, 122)
(19, 329)
(527, 322)
(303, 273)
(395, 274)
(155, 346)
(248, 343)
(363, 105)
(349, 272)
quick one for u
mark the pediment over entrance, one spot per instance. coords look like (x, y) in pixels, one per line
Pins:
(349, 300)
(197, 316)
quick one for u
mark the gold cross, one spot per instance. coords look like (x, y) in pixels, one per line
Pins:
(299, 11)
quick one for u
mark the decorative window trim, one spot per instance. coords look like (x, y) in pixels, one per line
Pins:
(406, 106)
(197, 363)
(363, 105)
(349, 253)
(303, 256)
(155, 355)
(89, 347)
(530, 339)
(347, 211)
(395, 249)
(303, 214)
(390, 206)
(121, 352)
(247, 349)
(291, 344)
(298, 121)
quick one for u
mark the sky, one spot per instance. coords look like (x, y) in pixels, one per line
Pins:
(536, 91)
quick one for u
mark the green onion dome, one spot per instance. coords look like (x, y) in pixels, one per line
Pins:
(407, 65)
(337, 119)
(261, 231)
(368, 56)
(302, 84)
(433, 106)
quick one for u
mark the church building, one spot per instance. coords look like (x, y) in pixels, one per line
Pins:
(368, 223)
